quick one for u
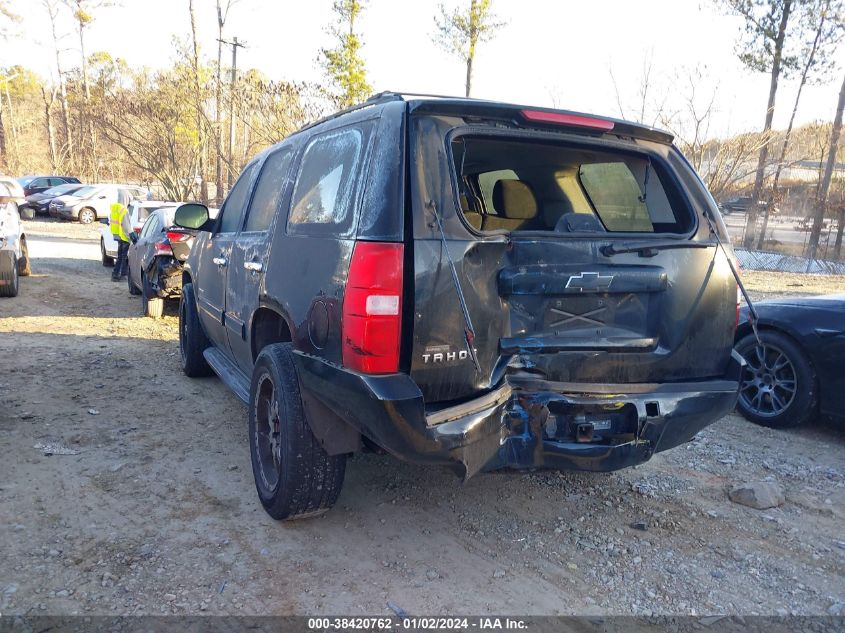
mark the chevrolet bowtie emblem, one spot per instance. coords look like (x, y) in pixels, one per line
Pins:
(589, 282)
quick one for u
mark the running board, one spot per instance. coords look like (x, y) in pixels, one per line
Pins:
(229, 373)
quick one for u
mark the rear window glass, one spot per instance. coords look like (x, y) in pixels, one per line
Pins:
(323, 196)
(518, 185)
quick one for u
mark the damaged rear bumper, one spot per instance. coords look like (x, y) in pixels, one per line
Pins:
(526, 422)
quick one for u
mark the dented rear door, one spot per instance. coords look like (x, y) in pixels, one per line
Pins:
(565, 308)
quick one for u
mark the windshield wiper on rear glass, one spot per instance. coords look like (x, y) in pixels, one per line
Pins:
(469, 331)
(649, 249)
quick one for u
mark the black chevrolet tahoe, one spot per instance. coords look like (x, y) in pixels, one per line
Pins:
(464, 283)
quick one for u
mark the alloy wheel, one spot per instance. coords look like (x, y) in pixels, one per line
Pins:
(268, 446)
(769, 381)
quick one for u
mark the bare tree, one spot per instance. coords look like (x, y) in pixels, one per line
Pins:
(53, 11)
(460, 31)
(828, 17)
(824, 185)
(49, 97)
(767, 23)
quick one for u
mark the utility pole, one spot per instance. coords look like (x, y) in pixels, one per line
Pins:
(235, 44)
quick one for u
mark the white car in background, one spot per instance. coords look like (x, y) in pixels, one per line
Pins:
(14, 256)
(139, 211)
(14, 188)
(92, 202)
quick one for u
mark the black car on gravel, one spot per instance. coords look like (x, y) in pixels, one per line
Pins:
(797, 369)
(465, 283)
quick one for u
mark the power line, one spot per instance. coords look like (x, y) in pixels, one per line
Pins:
(235, 44)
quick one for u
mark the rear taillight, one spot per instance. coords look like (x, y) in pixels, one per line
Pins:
(137, 228)
(564, 118)
(177, 236)
(372, 308)
(162, 247)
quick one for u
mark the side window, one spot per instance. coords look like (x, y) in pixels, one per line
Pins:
(149, 226)
(619, 200)
(233, 208)
(322, 201)
(55, 181)
(268, 191)
(38, 182)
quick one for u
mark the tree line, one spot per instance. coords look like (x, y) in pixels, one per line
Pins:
(103, 120)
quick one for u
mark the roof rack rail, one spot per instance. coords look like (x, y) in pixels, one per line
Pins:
(394, 95)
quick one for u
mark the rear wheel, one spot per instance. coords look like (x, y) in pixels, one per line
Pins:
(779, 387)
(107, 261)
(192, 339)
(24, 269)
(151, 304)
(295, 478)
(8, 274)
(133, 289)
(87, 215)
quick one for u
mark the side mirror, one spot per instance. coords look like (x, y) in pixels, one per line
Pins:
(192, 216)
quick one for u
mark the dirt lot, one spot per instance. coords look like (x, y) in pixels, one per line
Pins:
(146, 504)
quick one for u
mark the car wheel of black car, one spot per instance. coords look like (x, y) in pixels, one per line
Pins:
(107, 261)
(192, 339)
(294, 476)
(24, 269)
(151, 305)
(8, 274)
(779, 386)
(27, 213)
(87, 215)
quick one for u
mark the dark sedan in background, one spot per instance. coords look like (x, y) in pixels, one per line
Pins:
(799, 370)
(37, 184)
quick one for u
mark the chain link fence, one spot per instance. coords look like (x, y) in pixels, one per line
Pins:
(778, 262)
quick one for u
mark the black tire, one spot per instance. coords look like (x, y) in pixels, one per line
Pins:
(107, 261)
(192, 339)
(8, 274)
(295, 478)
(151, 304)
(87, 215)
(24, 268)
(779, 387)
(27, 213)
(133, 289)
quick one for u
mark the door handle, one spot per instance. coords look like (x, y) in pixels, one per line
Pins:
(255, 267)
(220, 261)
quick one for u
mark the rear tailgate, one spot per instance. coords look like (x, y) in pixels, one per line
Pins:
(545, 291)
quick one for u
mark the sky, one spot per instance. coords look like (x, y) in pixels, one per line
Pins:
(550, 53)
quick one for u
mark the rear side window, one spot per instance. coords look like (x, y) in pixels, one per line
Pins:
(268, 191)
(322, 201)
(538, 185)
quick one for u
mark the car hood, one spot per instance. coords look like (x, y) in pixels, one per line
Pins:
(68, 200)
(822, 301)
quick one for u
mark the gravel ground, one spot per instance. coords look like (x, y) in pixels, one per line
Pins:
(140, 500)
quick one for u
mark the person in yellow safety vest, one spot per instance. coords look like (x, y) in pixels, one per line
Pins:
(121, 228)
